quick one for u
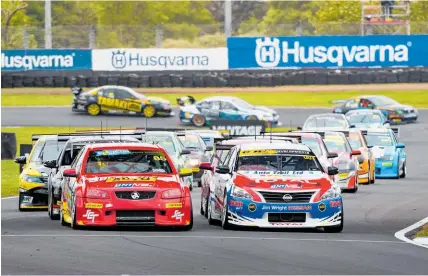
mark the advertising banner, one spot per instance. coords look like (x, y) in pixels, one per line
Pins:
(45, 59)
(238, 127)
(327, 51)
(159, 59)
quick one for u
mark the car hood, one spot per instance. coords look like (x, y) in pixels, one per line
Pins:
(382, 151)
(36, 169)
(286, 180)
(158, 100)
(131, 182)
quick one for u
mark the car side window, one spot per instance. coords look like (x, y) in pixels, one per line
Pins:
(228, 157)
(107, 93)
(205, 105)
(352, 104)
(215, 105)
(227, 106)
(77, 159)
(215, 158)
(122, 94)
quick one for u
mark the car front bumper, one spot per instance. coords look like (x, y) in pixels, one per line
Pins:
(386, 169)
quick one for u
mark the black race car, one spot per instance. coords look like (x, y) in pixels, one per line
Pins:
(118, 100)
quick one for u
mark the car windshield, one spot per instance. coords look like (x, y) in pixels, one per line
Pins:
(383, 101)
(355, 141)
(46, 151)
(364, 118)
(190, 141)
(335, 144)
(318, 122)
(313, 144)
(127, 161)
(242, 104)
(380, 140)
(165, 142)
(276, 160)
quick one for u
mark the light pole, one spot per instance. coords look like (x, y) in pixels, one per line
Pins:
(48, 25)
(227, 18)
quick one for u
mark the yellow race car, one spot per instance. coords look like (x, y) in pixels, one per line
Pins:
(33, 189)
(366, 173)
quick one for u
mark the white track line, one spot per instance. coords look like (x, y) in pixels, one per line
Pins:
(191, 237)
(9, 197)
(401, 235)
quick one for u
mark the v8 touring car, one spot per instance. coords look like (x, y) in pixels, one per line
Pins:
(118, 100)
(221, 107)
(275, 185)
(125, 185)
(367, 118)
(326, 121)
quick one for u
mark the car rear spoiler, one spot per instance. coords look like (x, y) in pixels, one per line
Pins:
(186, 100)
(321, 133)
(336, 101)
(396, 131)
(36, 137)
(76, 90)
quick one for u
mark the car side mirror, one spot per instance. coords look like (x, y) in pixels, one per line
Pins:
(299, 128)
(209, 148)
(186, 172)
(185, 152)
(332, 155)
(50, 164)
(352, 126)
(21, 160)
(69, 173)
(332, 170)
(400, 146)
(222, 169)
(205, 166)
(355, 152)
(386, 122)
(361, 159)
(369, 147)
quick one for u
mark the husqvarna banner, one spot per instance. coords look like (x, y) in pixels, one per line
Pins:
(159, 59)
(327, 51)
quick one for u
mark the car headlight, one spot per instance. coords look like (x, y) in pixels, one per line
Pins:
(241, 193)
(387, 158)
(333, 192)
(194, 162)
(33, 179)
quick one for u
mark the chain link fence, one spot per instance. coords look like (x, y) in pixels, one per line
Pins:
(176, 35)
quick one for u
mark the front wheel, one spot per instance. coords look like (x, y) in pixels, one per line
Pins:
(336, 228)
(224, 214)
(198, 120)
(61, 214)
(51, 199)
(149, 111)
(190, 225)
(403, 175)
(209, 212)
(93, 109)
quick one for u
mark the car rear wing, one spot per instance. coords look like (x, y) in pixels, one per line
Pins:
(396, 130)
(64, 137)
(223, 147)
(186, 100)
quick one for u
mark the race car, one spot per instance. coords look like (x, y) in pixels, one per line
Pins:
(207, 135)
(125, 184)
(225, 108)
(326, 121)
(393, 111)
(71, 149)
(389, 153)
(275, 185)
(367, 118)
(118, 100)
(33, 190)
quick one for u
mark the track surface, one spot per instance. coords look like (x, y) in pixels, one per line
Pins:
(33, 244)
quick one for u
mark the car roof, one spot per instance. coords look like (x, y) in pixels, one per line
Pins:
(274, 145)
(298, 134)
(124, 146)
(364, 111)
(159, 133)
(326, 115)
(219, 98)
(100, 138)
(378, 130)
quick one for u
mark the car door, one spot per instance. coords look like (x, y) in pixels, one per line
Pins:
(229, 111)
(119, 100)
(224, 180)
(204, 108)
(214, 111)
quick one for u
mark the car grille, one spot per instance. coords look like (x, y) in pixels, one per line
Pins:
(135, 217)
(277, 197)
(142, 195)
(287, 217)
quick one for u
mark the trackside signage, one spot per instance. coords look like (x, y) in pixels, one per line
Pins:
(237, 127)
(49, 59)
(159, 59)
(328, 51)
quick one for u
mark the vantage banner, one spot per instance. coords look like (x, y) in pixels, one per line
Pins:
(327, 51)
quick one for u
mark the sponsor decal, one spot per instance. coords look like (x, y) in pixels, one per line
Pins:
(287, 198)
(90, 215)
(283, 207)
(238, 127)
(120, 104)
(91, 205)
(287, 223)
(131, 178)
(234, 203)
(335, 203)
(252, 207)
(177, 215)
(132, 185)
(27, 199)
(286, 186)
(174, 205)
(135, 195)
(322, 207)
(300, 208)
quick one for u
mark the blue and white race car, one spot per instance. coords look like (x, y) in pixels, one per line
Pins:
(388, 151)
(367, 118)
(223, 108)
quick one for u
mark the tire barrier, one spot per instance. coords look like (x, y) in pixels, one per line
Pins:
(8, 146)
(232, 78)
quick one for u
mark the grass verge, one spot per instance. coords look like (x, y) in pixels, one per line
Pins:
(416, 98)
(423, 233)
(10, 170)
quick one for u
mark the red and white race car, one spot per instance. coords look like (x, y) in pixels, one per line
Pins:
(125, 184)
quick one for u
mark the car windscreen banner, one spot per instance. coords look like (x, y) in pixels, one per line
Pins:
(238, 127)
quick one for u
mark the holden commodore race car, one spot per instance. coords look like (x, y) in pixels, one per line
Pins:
(367, 118)
(275, 185)
(118, 100)
(126, 184)
(225, 108)
(393, 111)
(33, 190)
(326, 121)
(389, 153)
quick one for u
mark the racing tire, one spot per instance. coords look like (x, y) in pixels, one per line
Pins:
(206, 205)
(61, 216)
(224, 214)
(336, 228)
(210, 220)
(198, 120)
(19, 203)
(373, 179)
(355, 189)
(149, 111)
(93, 109)
(398, 171)
(403, 175)
(199, 184)
(252, 118)
(74, 224)
(201, 210)
(190, 226)
(50, 207)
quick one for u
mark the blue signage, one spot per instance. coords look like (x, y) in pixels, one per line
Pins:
(46, 59)
(327, 51)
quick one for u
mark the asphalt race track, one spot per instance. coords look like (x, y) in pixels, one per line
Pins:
(33, 244)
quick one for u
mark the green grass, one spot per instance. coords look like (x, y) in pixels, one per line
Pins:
(416, 98)
(9, 178)
(423, 233)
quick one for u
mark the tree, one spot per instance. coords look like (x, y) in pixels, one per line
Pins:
(9, 10)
